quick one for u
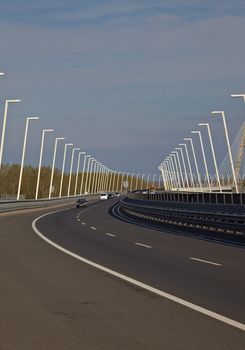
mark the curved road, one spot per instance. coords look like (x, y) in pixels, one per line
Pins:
(50, 300)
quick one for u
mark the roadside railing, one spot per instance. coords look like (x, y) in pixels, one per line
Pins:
(192, 197)
(188, 216)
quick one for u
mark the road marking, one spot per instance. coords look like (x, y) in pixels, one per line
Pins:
(205, 261)
(93, 228)
(142, 245)
(110, 234)
(156, 291)
(78, 220)
(83, 223)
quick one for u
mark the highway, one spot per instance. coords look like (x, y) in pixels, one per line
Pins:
(52, 300)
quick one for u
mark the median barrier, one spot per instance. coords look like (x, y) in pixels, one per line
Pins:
(192, 197)
(228, 219)
(11, 205)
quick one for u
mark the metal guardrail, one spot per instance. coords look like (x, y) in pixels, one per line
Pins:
(10, 205)
(192, 197)
(205, 220)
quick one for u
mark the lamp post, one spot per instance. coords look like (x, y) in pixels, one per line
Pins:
(195, 160)
(52, 171)
(78, 166)
(90, 174)
(166, 172)
(222, 113)
(96, 165)
(183, 161)
(4, 127)
(23, 154)
(99, 178)
(176, 167)
(167, 162)
(110, 177)
(84, 163)
(127, 180)
(204, 156)
(63, 167)
(175, 180)
(71, 167)
(40, 159)
(92, 178)
(189, 163)
(118, 177)
(213, 154)
(148, 179)
(142, 180)
(154, 177)
(137, 177)
(131, 182)
(87, 174)
(180, 168)
(123, 174)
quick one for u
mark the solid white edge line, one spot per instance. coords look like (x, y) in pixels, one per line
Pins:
(156, 291)
(205, 261)
(142, 245)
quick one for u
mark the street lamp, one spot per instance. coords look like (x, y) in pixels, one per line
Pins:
(84, 163)
(188, 161)
(23, 154)
(222, 113)
(142, 180)
(195, 160)
(204, 156)
(123, 173)
(4, 127)
(137, 177)
(90, 175)
(214, 158)
(71, 167)
(78, 166)
(175, 180)
(54, 158)
(176, 167)
(131, 182)
(96, 169)
(183, 161)
(87, 174)
(180, 169)
(63, 167)
(40, 159)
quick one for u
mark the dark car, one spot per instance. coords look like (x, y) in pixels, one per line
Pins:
(81, 202)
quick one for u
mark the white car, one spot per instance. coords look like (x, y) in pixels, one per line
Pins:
(104, 196)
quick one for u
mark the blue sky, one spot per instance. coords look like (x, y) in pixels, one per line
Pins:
(123, 80)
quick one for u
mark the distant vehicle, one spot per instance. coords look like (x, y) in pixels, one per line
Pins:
(110, 195)
(81, 202)
(117, 194)
(104, 196)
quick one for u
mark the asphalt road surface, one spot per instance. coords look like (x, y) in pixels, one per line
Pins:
(51, 300)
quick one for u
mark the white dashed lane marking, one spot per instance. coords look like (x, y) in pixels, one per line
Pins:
(205, 261)
(93, 228)
(110, 234)
(142, 245)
